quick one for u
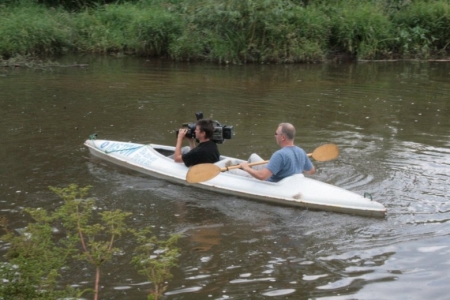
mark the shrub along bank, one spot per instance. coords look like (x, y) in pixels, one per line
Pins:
(229, 31)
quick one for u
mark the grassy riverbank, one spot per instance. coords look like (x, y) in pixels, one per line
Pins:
(232, 31)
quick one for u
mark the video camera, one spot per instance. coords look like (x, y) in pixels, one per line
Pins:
(221, 132)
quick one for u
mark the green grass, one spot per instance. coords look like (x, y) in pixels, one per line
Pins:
(361, 29)
(33, 29)
(423, 29)
(231, 31)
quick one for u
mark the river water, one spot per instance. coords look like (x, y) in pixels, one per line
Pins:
(391, 121)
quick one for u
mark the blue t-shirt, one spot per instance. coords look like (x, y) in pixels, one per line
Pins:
(288, 161)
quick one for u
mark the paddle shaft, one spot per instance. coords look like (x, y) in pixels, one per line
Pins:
(250, 164)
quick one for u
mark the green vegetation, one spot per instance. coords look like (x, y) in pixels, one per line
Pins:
(39, 256)
(156, 265)
(228, 31)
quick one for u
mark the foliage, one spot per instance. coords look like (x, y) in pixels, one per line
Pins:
(228, 31)
(32, 29)
(34, 262)
(154, 259)
(37, 258)
(361, 29)
(155, 31)
(97, 240)
(80, 4)
(248, 31)
(126, 28)
(423, 28)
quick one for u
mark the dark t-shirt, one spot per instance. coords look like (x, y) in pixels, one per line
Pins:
(206, 152)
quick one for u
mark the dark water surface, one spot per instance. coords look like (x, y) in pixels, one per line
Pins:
(391, 121)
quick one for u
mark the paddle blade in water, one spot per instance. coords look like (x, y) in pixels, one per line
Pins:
(326, 152)
(202, 172)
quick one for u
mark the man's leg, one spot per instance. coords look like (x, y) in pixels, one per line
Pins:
(256, 158)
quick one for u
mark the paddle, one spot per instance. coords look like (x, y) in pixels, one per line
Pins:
(205, 172)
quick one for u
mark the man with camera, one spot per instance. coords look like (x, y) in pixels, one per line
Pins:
(287, 161)
(205, 152)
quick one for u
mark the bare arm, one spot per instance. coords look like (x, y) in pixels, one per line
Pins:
(192, 143)
(262, 174)
(177, 156)
(310, 172)
(180, 137)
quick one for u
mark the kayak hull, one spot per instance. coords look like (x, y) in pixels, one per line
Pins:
(296, 190)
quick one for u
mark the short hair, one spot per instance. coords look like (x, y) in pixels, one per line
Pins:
(288, 130)
(207, 126)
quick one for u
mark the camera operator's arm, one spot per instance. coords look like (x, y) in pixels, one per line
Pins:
(177, 155)
(192, 143)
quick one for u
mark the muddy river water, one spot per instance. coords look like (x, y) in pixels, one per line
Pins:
(391, 121)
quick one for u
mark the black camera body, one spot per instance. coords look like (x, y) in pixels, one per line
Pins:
(221, 132)
(190, 133)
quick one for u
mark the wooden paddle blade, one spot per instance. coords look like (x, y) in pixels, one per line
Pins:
(326, 152)
(202, 172)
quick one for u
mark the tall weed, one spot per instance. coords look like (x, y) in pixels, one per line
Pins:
(104, 29)
(155, 29)
(423, 28)
(361, 29)
(143, 30)
(231, 31)
(31, 29)
(239, 31)
(38, 259)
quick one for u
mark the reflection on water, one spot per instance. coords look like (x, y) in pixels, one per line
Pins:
(391, 122)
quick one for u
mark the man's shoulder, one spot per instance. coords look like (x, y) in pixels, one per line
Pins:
(289, 149)
(278, 155)
(209, 144)
(297, 148)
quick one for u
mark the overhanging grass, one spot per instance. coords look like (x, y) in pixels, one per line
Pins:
(232, 31)
(248, 31)
(423, 28)
(361, 29)
(142, 30)
(32, 29)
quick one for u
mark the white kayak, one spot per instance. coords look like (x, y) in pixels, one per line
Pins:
(296, 190)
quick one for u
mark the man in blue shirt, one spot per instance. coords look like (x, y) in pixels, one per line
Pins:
(287, 161)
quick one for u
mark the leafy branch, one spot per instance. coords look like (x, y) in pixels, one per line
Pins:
(37, 257)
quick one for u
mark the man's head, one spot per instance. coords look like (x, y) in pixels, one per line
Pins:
(285, 133)
(205, 126)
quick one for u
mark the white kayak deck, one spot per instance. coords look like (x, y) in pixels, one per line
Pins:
(296, 190)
